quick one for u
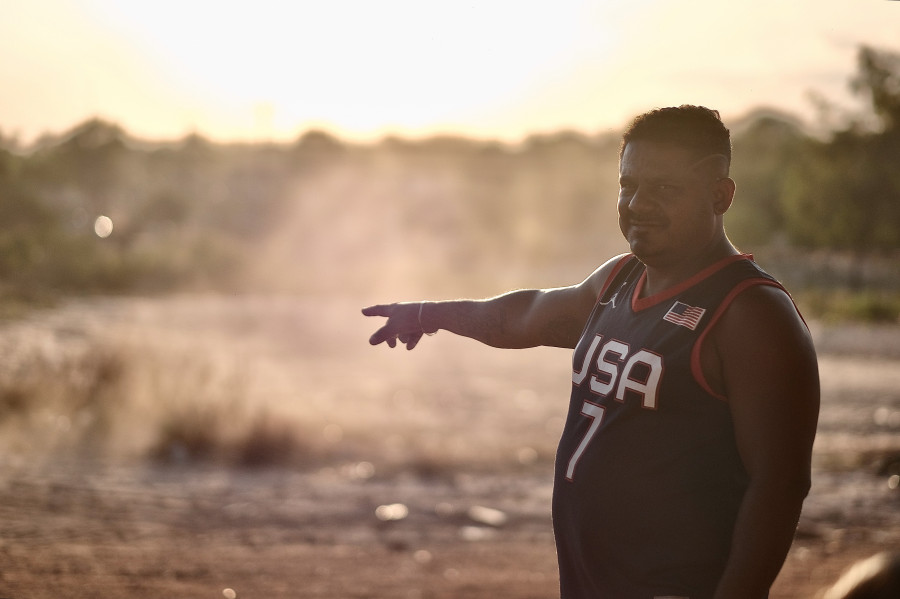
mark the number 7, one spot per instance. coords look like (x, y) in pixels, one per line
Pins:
(595, 413)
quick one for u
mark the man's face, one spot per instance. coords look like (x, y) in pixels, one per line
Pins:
(668, 208)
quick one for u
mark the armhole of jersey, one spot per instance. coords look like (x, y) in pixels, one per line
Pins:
(696, 366)
(615, 273)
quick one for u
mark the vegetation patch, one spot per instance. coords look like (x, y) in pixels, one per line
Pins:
(878, 307)
(96, 211)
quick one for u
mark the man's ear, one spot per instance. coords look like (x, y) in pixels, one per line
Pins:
(723, 194)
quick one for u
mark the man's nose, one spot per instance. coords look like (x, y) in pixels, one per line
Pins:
(641, 201)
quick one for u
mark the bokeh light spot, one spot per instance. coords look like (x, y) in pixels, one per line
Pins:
(103, 226)
(393, 511)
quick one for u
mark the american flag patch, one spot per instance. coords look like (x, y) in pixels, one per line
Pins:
(684, 315)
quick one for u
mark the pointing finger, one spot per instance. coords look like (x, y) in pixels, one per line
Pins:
(413, 341)
(378, 310)
(380, 336)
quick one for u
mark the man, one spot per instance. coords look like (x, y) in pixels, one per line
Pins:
(685, 458)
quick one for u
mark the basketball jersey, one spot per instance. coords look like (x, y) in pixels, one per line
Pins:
(648, 478)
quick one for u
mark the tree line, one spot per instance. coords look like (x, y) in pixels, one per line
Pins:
(321, 213)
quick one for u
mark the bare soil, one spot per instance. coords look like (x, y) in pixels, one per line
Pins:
(426, 475)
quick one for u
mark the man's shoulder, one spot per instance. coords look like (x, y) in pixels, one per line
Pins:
(762, 307)
(764, 297)
(601, 278)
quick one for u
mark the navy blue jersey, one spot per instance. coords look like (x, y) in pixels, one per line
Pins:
(648, 478)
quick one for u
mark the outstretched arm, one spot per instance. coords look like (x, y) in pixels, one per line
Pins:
(518, 319)
(771, 380)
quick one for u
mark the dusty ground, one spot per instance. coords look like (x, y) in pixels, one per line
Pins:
(437, 435)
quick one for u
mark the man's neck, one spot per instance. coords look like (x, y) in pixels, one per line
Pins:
(663, 275)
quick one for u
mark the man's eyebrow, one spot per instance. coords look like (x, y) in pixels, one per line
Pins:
(661, 179)
(707, 158)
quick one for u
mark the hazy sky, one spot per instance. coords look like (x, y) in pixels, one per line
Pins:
(262, 69)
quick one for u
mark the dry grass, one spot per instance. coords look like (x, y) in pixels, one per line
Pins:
(256, 382)
(54, 401)
(112, 400)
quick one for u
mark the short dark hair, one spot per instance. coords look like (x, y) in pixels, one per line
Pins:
(696, 128)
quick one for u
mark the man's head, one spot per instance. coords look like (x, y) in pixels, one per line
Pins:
(674, 187)
(697, 129)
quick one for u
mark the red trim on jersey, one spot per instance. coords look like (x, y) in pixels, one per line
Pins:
(696, 366)
(615, 271)
(638, 303)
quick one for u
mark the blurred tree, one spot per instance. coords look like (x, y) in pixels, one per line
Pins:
(844, 193)
(89, 159)
(764, 147)
(165, 208)
(196, 212)
(9, 143)
(8, 164)
(878, 80)
(27, 223)
(316, 145)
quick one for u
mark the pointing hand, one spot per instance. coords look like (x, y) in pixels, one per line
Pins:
(402, 324)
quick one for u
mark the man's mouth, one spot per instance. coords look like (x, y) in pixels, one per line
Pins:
(644, 223)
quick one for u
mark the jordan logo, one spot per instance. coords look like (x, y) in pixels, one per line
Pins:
(611, 301)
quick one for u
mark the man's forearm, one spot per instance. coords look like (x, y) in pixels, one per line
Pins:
(501, 321)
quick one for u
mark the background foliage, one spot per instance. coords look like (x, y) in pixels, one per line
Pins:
(440, 214)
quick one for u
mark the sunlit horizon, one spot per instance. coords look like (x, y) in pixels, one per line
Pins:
(270, 71)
